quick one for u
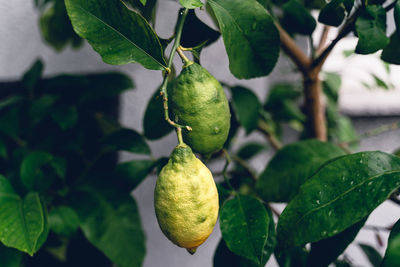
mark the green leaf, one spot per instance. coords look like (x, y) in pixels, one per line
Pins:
(32, 174)
(143, 2)
(244, 226)
(10, 101)
(40, 108)
(392, 254)
(23, 222)
(296, 256)
(65, 116)
(196, 33)
(379, 82)
(245, 24)
(127, 140)
(56, 27)
(191, 3)
(224, 257)
(33, 75)
(63, 220)
(119, 35)
(3, 150)
(391, 53)
(154, 123)
(396, 14)
(373, 256)
(342, 192)
(110, 221)
(331, 85)
(249, 150)
(10, 257)
(10, 122)
(297, 19)
(246, 106)
(371, 30)
(335, 11)
(134, 171)
(291, 167)
(328, 250)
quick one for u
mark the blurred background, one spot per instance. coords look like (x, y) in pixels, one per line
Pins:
(368, 106)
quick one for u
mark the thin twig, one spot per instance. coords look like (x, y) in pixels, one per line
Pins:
(377, 228)
(224, 171)
(244, 165)
(264, 129)
(274, 211)
(323, 39)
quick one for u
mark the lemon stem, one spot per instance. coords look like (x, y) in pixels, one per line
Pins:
(179, 134)
(163, 90)
(225, 170)
(179, 50)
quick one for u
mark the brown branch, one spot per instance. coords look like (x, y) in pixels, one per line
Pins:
(273, 141)
(293, 51)
(274, 211)
(323, 39)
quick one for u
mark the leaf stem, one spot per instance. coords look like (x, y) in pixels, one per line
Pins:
(163, 90)
(224, 171)
(179, 134)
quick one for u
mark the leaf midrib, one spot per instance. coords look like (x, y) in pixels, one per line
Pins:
(119, 33)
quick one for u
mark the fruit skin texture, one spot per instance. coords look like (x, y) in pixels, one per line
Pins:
(198, 100)
(186, 199)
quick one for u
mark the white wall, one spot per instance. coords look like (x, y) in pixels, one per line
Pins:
(21, 44)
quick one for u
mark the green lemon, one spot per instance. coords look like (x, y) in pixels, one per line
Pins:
(186, 199)
(198, 100)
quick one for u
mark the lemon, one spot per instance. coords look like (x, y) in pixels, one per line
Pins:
(186, 199)
(198, 100)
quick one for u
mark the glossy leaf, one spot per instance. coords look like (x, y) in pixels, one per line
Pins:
(110, 221)
(295, 256)
(327, 250)
(249, 150)
(371, 30)
(342, 192)
(335, 11)
(63, 220)
(154, 123)
(391, 53)
(297, 19)
(23, 222)
(246, 106)
(224, 257)
(127, 140)
(392, 254)
(66, 116)
(134, 171)
(10, 257)
(191, 3)
(118, 34)
(373, 256)
(291, 167)
(195, 32)
(244, 226)
(244, 26)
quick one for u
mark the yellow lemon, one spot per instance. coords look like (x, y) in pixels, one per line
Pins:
(186, 199)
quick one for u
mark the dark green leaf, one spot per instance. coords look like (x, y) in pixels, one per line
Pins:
(3, 150)
(342, 192)
(32, 174)
(23, 222)
(340, 127)
(191, 3)
(118, 34)
(373, 256)
(10, 257)
(10, 122)
(195, 32)
(244, 226)
(396, 14)
(297, 19)
(293, 257)
(391, 53)
(148, 10)
(244, 26)
(334, 12)
(371, 30)
(40, 108)
(63, 220)
(154, 123)
(56, 27)
(127, 140)
(110, 221)
(134, 171)
(10, 101)
(327, 250)
(392, 254)
(65, 116)
(224, 257)
(33, 75)
(246, 106)
(249, 150)
(291, 167)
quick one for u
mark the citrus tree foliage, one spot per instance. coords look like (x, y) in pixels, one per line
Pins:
(63, 193)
